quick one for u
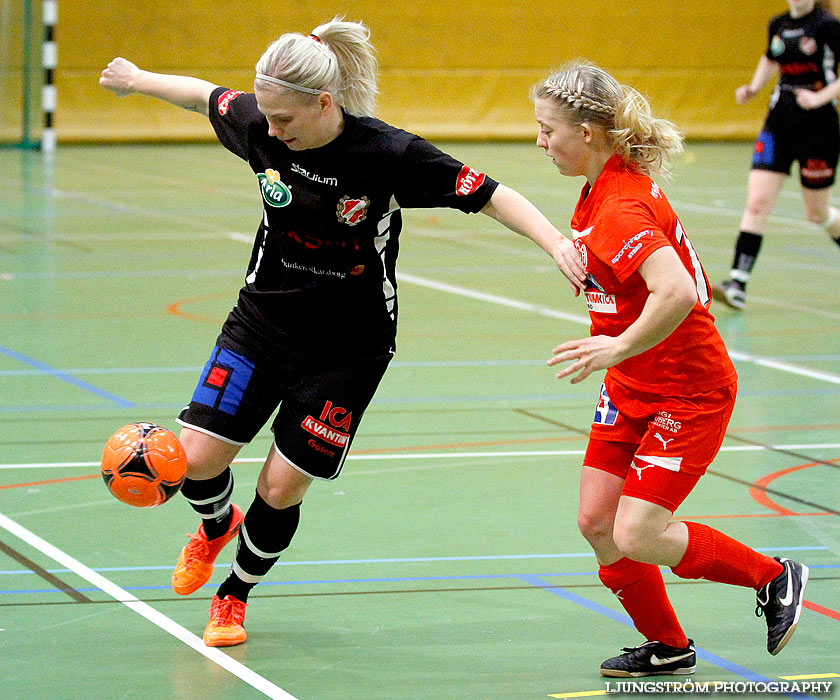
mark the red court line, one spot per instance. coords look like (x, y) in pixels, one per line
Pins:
(760, 495)
(51, 481)
(175, 308)
(822, 610)
(751, 515)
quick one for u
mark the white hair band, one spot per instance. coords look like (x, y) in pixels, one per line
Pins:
(284, 83)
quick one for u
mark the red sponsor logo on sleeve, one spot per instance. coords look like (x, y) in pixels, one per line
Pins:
(225, 100)
(468, 181)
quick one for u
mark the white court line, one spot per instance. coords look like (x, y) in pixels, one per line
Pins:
(492, 298)
(242, 237)
(785, 367)
(525, 306)
(242, 672)
(450, 455)
(573, 318)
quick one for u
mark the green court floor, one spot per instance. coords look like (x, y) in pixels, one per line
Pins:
(445, 562)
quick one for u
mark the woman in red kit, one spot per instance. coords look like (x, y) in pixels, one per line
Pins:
(670, 385)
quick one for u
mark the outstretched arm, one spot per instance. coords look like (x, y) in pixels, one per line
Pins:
(511, 209)
(123, 78)
(673, 295)
(764, 71)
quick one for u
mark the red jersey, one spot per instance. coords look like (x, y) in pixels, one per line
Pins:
(618, 222)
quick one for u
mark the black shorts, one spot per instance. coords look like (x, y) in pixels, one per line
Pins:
(321, 404)
(816, 147)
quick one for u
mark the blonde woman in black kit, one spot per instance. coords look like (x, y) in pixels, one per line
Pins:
(314, 327)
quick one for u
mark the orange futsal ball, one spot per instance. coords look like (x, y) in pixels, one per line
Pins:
(143, 464)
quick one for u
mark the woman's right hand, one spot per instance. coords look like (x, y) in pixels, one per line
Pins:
(567, 259)
(744, 94)
(119, 77)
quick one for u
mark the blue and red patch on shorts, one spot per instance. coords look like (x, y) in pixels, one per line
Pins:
(224, 380)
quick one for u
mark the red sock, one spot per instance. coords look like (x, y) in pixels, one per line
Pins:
(641, 591)
(713, 556)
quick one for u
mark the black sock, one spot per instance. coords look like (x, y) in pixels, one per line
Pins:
(210, 498)
(746, 251)
(264, 534)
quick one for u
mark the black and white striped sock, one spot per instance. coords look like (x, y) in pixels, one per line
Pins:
(210, 498)
(264, 534)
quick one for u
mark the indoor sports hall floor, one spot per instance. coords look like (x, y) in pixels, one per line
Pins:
(445, 562)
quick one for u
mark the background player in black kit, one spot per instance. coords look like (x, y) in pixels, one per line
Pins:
(804, 48)
(314, 327)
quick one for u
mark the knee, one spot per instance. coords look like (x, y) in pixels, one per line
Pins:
(631, 539)
(281, 486)
(594, 527)
(206, 456)
(759, 205)
(817, 215)
(280, 498)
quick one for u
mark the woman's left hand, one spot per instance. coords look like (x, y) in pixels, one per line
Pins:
(808, 99)
(589, 355)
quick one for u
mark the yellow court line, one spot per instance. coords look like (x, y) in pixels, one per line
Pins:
(580, 694)
(810, 676)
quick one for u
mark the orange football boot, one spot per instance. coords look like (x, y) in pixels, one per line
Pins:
(195, 565)
(225, 627)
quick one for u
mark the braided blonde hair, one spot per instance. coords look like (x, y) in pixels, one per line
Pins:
(586, 94)
(337, 58)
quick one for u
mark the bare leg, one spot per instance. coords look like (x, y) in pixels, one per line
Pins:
(763, 189)
(207, 456)
(762, 192)
(280, 484)
(818, 209)
(600, 492)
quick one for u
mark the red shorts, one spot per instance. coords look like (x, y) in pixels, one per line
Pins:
(667, 441)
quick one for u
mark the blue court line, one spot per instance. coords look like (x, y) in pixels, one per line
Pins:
(536, 580)
(313, 582)
(75, 408)
(379, 579)
(106, 371)
(405, 364)
(410, 364)
(403, 401)
(725, 664)
(63, 376)
(414, 560)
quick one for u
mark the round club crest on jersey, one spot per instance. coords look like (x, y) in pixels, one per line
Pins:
(581, 249)
(808, 45)
(352, 210)
(275, 192)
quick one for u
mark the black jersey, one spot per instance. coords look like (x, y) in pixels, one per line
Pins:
(321, 275)
(807, 50)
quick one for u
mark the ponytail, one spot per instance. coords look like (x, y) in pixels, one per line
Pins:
(585, 93)
(350, 42)
(639, 137)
